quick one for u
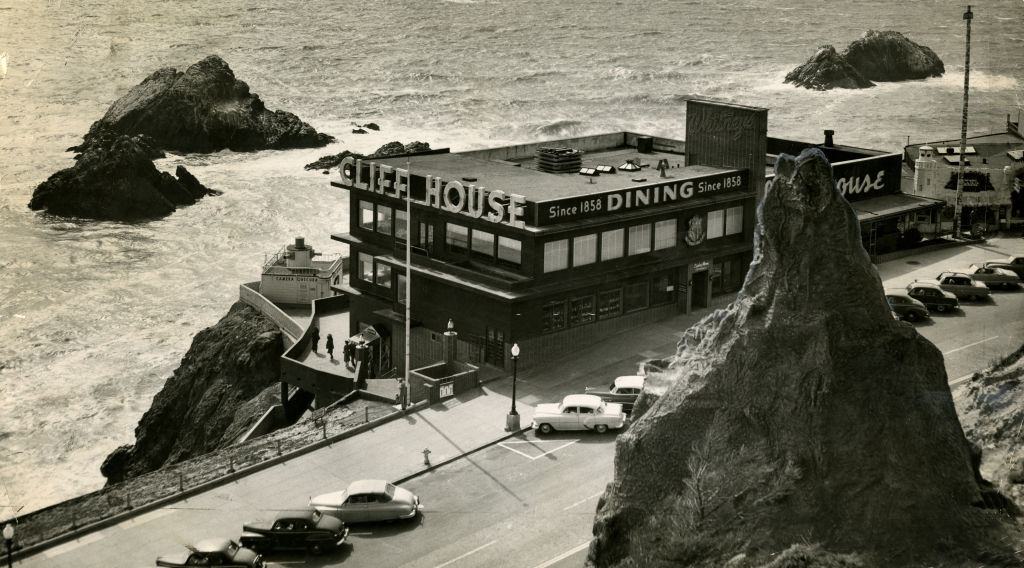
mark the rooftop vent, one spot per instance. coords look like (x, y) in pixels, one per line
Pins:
(630, 166)
(606, 169)
(559, 160)
(468, 178)
(644, 144)
(589, 172)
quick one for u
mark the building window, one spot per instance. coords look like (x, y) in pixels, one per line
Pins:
(553, 317)
(365, 267)
(400, 292)
(510, 250)
(401, 224)
(366, 215)
(665, 234)
(581, 310)
(611, 244)
(383, 275)
(662, 290)
(716, 224)
(483, 242)
(426, 237)
(383, 219)
(556, 255)
(734, 220)
(609, 303)
(584, 250)
(634, 296)
(457, 237)
(640, 239)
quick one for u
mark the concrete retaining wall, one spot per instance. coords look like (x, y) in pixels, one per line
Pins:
(250, 294)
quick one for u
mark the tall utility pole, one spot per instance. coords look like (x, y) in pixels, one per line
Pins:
(968, 16)
(408, 277)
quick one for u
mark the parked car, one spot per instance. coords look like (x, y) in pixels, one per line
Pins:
(905, 307)
(307, 529)
(1014, 263)
(994, 277)
(368, 500)
(932, 296)
(623, 390)
(579, 412)
(962, 286)
(216, 552)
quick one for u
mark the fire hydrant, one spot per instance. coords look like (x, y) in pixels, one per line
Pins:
(426, 456)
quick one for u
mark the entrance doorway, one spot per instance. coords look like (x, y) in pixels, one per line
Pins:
(699, 290)
(494, 347)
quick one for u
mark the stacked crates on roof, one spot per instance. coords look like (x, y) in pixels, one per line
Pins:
(559, 160)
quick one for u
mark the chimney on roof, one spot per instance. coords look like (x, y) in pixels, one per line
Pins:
(828, 138)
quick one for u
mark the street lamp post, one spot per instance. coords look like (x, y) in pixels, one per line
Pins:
(512, 422)
(9, 542)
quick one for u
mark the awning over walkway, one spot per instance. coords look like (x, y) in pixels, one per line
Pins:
(893, 205)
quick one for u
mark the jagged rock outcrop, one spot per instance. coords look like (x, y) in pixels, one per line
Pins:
(801, 414)
(992, 412)
(208, 402)
(204, 109)
(389, 149)
(825, 70)
(891, 56)
(114, 179)
(875, 56)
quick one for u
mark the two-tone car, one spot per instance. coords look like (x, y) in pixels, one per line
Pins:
(963, 286)
(368, 500)
(932, 296)
(623, 390)
(579, 412)
(1012, 263)
(993, 277)
(215, 552)
(306, 529)
(905, 307)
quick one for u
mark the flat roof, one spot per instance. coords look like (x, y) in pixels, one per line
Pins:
(521, 176)
(892, 204)
(998, 149)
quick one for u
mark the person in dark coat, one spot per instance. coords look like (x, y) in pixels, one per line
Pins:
(330, 346)
(315, 337)
(346, 351)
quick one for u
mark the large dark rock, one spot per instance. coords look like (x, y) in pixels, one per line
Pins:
(114, 179)
(825, 70)
(802, 414)
(890, 56)
(208, 402)
(204, 109)
(390, 149)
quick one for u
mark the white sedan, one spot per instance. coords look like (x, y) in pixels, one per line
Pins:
(579, 412)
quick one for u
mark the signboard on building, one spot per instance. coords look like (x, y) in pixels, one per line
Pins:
(973, 182)
(868, 177)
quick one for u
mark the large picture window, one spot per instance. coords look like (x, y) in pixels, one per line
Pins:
(584, 250)
(366, 215)
(581, 310)
(556, 255)
(716, 224)
(510, 250)
(483, 242)
(665, 234)
(634, 296)
(384, 219)
(734, 220)
(662, 290)
(365, 267)
(612, 244)
(457, 237)
(383, 275)
(640, 239)
(609, 303)
(553, 317)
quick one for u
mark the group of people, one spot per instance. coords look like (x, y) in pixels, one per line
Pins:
(348, 350)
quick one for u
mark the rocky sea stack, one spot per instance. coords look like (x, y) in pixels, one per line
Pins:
(875, 56)
(390, 149)
(114, 179)
(226, 381)
(802, 424)
(204, 109)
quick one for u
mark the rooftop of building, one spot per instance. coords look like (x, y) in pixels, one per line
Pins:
(993, 150)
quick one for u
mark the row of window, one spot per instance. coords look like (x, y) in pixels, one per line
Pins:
(632, 297)
(483, 243)
(383, 219)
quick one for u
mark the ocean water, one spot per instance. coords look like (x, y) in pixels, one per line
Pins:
(95, 315)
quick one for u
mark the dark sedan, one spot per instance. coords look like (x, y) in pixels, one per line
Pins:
(906, 308)
(932, 296)
(215, 552)
(295, 530)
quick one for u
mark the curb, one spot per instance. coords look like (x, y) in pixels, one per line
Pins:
(38, 547)
(457, 457)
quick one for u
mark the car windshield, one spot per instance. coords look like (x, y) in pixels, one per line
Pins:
(389, 489)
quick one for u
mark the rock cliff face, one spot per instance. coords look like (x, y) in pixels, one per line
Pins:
(114, 179)
(208, 402)
(875, 56)
(801, 414)
(204, 109)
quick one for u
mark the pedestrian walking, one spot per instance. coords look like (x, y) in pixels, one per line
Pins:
(315, 336)
(330, 346)
(346, 351)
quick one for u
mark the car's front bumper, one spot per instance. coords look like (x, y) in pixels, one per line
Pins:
(344, 537)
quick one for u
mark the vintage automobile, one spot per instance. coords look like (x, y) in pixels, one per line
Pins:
(993, 277)
(579, 412)
(905, 307)
(368, 500)
(623, 390)
(932, 296)
(962, 286)
(306, 529)
(1013, 263)
(216, 552)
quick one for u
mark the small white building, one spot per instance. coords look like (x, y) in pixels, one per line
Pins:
(295, 276)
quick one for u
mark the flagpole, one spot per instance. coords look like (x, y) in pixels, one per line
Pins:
(408, 277)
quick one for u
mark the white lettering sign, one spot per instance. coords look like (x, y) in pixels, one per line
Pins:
(854, 185)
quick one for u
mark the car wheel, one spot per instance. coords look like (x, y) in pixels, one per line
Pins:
(601, 428)
(911, 316)
(545, 428)
(941, 308)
